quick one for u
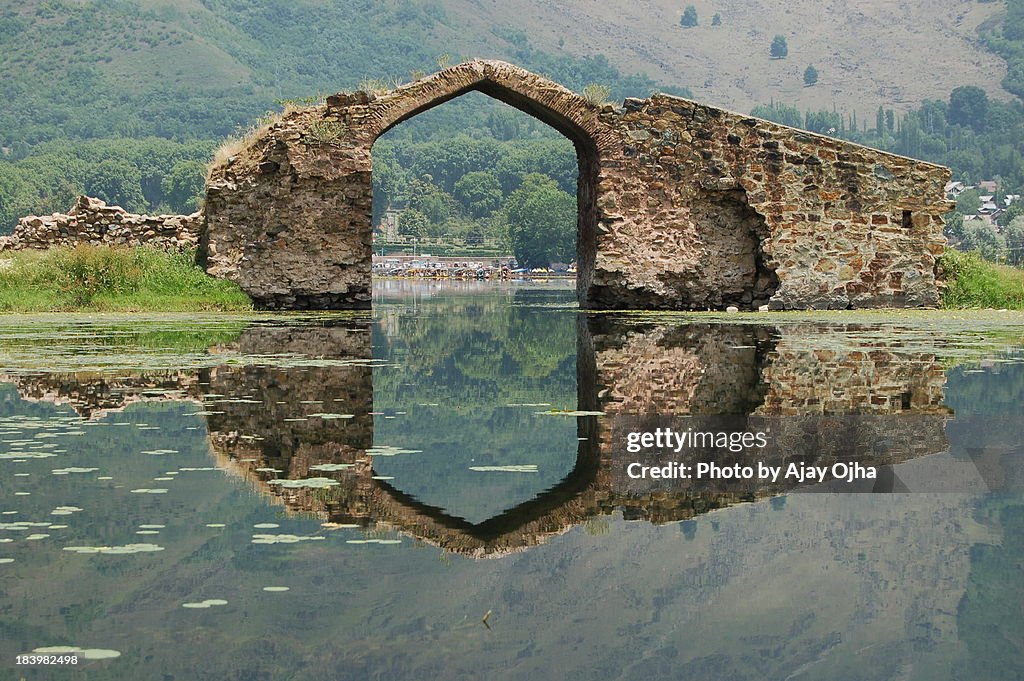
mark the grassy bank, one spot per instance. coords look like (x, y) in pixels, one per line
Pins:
(111, 279)
(976, 283)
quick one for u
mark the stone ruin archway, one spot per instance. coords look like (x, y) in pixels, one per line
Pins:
(290, 215)
(681, 205)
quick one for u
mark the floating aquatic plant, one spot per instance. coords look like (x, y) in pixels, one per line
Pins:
(282, 538)
(331, 467)
(115, 550)
(307, 483)
(524, 468)
(388, 450)
(208, 603)
(85, 653)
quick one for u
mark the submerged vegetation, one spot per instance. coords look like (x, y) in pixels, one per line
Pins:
(104, 278)
(972, 281)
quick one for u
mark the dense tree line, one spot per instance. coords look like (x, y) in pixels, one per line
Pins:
(145, 175)
(477, 186)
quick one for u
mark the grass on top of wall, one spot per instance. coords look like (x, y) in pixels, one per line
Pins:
(111, 279)
(973, 282)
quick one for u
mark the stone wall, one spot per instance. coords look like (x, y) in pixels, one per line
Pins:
(681, 205)
(91, 221)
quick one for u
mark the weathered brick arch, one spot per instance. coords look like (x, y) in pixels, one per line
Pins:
(564, 110)
(682, 205)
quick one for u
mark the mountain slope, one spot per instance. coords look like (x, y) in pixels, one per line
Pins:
(198, 68)
(868, 52)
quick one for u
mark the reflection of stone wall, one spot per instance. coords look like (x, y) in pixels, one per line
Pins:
(681, 205)
(839, 399)
(91, 221)
(94, 396)
(287, 418)
(877, 377)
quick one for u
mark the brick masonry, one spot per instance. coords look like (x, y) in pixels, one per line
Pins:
(681, 205)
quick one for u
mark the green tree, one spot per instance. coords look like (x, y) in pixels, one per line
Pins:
(810, 75)
(479, 192)
(982, 237)
(183, 186)
(968, 203)
(542, 222)
(716, 20)
(880, 121)
(890, 120)
(689, 17)
(968, 106)
(430, 200)
(413, 223)
(1007, 216)
(1014, 235)
(787, 115)
(954, 228)
(118, 182)
(779, 47)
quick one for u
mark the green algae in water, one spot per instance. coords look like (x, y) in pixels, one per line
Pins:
(124, 550)
(305, 483)
(85, 653)
(73, 469)
(283, 538)
(202, 605)
(388, 450)
(524, 468)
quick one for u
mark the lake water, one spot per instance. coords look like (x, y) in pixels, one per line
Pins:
(439, 490)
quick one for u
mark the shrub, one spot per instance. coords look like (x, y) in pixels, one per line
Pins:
(972, 281)
(111, 278)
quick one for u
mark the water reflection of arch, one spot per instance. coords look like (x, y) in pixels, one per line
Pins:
(644, 369)
(257, 415)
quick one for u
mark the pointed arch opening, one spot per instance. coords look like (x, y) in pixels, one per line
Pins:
(569, 114)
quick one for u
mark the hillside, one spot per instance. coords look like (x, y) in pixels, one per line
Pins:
(869, 53)
(198, 68)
